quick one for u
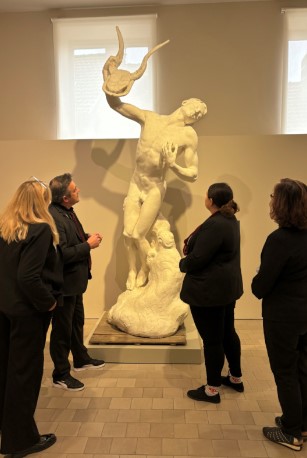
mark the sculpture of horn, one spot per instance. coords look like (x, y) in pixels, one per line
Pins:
(138, 73)
(115, 60)
(119, 82)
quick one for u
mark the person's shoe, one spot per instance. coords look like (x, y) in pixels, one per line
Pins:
(278, 422)
(45, 441)
(279, 437)
(69, 383)
(239, 387)
(200, 395)
(92, 364)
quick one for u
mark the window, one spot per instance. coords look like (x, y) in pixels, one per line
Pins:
(295, 84)
(82, 46)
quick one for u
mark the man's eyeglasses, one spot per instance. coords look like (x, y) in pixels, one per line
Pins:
(38, 181)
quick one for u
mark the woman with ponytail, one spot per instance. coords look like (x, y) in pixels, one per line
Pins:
(212, 284)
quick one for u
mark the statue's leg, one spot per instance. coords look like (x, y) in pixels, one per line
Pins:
(131, 254)
(142, 275)
(148, 214)
(132, 207)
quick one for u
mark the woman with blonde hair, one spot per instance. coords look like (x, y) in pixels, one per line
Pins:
(30, 281)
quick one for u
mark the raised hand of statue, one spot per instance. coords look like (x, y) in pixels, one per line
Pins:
(169, 152)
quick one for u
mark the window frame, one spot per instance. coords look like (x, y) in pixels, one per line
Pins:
(292, 32)
(134, 29)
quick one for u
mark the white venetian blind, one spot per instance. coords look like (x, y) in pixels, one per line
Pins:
(295, 76)
(81, 47)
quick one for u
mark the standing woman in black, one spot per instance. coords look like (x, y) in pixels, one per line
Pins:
(30, 283)
(281, 283)
(212, 284)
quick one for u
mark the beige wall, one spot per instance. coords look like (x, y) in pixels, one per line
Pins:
(102, 169)
(27, 88)
(228, 54)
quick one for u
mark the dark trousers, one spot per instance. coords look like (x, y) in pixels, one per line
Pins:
(22, 341)
(286, 344)
(215, 326)
(67, 335)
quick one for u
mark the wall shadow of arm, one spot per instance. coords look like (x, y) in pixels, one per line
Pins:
(177, 199)
(93, 163)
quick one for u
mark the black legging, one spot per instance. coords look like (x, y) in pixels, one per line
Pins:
(287, 350)
(216, 328)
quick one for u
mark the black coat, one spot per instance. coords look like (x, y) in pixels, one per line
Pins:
(212, 265)
(282, 277)
(30, 273)
(76, 252)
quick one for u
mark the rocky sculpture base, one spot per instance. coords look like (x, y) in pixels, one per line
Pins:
(154, 310)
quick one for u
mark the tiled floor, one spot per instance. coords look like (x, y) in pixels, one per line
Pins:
(142, 410)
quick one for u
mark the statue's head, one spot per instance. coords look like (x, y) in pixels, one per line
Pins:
(193, 109)
(118, 83)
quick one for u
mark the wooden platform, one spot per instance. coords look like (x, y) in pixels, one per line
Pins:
(125, 353)
(105, 333)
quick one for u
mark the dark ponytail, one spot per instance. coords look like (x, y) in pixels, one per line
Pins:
(222, 197)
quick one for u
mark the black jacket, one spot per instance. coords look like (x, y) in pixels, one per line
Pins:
(212, 265)
(30, 273)
(76, 253)
(282, 277)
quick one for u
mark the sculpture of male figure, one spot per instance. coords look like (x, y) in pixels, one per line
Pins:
(162, 138)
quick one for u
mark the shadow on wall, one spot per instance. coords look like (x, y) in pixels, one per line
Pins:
(177, 200)
(92, 166)
(242, 195)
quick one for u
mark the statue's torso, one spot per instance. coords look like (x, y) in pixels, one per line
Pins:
(156, 133)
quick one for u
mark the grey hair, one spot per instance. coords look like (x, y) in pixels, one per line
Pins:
(59, 187)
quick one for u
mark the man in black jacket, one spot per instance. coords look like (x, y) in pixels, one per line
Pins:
(68, 321)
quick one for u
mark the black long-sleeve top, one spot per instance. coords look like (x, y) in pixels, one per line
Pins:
(31, 273)
(212, 265)
(282, 278)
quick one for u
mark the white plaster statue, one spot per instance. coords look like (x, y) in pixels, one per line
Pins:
(162, 139)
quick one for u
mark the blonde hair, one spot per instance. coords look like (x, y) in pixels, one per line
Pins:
(29, 205)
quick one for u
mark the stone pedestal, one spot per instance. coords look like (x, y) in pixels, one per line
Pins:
(190, 353)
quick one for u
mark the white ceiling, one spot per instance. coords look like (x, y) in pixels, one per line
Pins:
(40, 5)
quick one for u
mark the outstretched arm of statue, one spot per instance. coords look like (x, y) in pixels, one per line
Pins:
(126, 109)
(190, 171)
